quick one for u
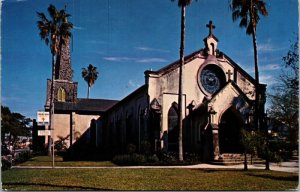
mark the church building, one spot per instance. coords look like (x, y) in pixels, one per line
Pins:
(218, 101)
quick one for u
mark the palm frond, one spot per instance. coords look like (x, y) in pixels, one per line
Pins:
(90, 74)
(235, 15)
(261, 7)
(244, 22)
(249, 30)
(53, 13)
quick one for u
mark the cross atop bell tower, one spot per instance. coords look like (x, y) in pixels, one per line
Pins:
(211, 41)
(210, 26)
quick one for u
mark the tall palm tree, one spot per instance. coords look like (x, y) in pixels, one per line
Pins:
(249, 12)
(90, 75)
(182, 4)
(54, 31)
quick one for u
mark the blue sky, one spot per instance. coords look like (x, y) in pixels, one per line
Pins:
(123, 38)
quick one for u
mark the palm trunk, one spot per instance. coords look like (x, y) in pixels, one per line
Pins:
(51, 127)
(88, 92)
(256, 109)
(245, 161)
(182, 41)
(256, 112)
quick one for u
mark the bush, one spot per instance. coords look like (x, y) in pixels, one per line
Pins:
(22, 157)
(129, 159)
(6, 164)
(130, 149)
(152, 159)
(192, 158)
(169, 157)
(146, 148)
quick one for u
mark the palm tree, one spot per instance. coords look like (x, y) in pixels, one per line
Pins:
(90, 75)
(249, 12)
(182, 4)
(55, 31)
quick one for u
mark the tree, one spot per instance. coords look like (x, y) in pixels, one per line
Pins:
(249, 12)
(55, 31)
(284, 99)
(14, 124)
(182, 4)
(250, 141)
(90, 75)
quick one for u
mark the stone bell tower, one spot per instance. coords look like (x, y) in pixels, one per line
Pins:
(65, 90)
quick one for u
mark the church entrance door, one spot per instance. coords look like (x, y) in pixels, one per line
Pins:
(229, 132)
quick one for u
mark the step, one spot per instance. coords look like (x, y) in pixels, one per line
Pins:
(235, 159)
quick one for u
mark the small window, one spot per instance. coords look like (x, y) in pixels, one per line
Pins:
(61, 95)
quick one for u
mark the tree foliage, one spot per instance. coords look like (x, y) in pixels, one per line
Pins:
(90, 75)
(14, 124)
(284, 99)
(56, 29)
(249, 12)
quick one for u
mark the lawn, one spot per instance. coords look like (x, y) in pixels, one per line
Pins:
(47, 161)
(146, 179)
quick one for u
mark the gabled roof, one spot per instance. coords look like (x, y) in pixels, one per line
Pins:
(240, 70)
(196, 54)
(139, 90)
(211, 36)
(237, 88)
(86, 105)
(175, 64)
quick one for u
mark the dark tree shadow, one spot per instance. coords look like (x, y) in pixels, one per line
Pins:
(65, 187)
(275, 177)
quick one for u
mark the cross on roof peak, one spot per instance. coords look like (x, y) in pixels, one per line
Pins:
(210, 26)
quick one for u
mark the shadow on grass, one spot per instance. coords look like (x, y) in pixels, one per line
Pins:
(275, 177)
(208, 170)
(57, 186)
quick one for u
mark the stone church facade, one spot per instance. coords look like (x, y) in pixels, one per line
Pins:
(218, 101)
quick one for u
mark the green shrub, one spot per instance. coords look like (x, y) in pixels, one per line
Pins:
(22, 157)
(130, 149)
(153, 159)
(6, 164)
(129, 159)
(146, 148)
(192, 158)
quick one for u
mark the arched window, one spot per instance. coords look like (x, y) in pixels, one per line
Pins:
(61, 95)
(173, 131)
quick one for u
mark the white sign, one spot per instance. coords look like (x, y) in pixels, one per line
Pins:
(42, 118)
(44, 132)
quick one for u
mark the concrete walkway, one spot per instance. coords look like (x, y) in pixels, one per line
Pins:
(290, 166)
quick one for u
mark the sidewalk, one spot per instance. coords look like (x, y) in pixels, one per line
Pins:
(290, 166)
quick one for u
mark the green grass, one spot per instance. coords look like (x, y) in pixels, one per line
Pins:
(146, 179)
(47, 161)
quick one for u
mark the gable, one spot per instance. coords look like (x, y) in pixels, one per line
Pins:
(230, 96)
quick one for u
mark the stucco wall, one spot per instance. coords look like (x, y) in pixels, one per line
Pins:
(164, 87)
(62, 125)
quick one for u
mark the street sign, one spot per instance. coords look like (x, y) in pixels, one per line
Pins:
(42, 118)
(44, 132)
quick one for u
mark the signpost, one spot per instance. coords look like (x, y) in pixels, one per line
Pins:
(43, 120)
(44, 132)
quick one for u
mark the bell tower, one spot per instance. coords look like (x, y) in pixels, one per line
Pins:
(65, 90)
(211, 42)
(63, 68)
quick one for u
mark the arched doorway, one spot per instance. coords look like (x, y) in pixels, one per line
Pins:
(229, 131)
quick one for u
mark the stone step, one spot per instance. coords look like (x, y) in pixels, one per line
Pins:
(235, 159)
